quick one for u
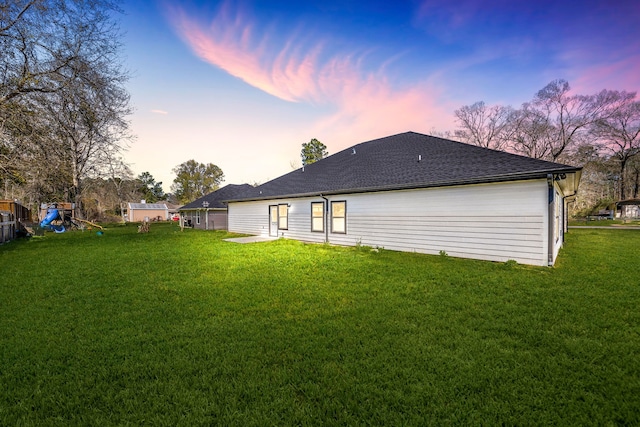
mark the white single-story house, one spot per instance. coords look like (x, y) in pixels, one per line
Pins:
(209, 212)
(140, 212)
(629, 208)
(419, 193)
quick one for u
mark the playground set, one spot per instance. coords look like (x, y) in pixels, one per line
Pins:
(60, 217)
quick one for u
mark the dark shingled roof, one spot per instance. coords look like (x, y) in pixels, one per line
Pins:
(391, 163)
(216, 198)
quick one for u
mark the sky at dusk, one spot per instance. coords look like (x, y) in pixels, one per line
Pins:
(244, 84)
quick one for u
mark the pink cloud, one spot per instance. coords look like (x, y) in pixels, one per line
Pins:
(621, 74)
(365, 102)
(373, 112)
(164, 113)
(227, 44)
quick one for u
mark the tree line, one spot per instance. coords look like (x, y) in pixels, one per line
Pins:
(600, 132)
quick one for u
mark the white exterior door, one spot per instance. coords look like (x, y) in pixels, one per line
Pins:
(273, 220)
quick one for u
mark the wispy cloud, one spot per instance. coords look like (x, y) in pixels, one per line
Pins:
(164, 113)
(553, 39)
(229, 43)
(618, 71)
(293, 67)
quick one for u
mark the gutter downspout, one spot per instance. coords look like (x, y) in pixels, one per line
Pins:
(326, 219)
(550, 220)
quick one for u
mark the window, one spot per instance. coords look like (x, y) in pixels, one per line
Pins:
(338, 217)
(197, 217)
(317, 216)
(283, 219)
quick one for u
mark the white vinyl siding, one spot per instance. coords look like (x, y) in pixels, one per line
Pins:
(496, 222)
(249, 218)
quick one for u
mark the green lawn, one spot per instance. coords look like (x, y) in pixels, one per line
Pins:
(605, 222)
(182, 328)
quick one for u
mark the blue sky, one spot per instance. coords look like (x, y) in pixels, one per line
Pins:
(244, 84)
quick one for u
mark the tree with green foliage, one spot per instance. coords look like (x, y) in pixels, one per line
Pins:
(313, 151)
(194, 180)
(151, 189)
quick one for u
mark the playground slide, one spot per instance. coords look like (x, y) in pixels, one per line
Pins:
(52, 215)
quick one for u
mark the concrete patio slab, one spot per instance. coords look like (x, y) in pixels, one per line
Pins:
(250, 239)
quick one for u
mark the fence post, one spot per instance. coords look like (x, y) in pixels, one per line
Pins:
(7, 227)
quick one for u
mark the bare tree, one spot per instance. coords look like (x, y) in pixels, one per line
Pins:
(446, 134)
(634, 174)
(62, 97)
(568, 117)
(596, 187)
(120, 179)
(88, 127)
(619, 135)
(25, 165)
(484, 126)
(531, 133)
(42, 41)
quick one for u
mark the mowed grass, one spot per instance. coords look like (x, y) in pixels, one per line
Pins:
(182, 328)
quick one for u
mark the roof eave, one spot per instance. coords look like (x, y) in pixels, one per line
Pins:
(433, 184)
(200, 208)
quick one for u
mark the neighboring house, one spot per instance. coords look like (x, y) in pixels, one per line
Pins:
(629, 208)
(172, 208)
(140, 212)
(210, 212)
(418, 193)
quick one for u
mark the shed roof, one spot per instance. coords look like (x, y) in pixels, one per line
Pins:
(216, 198)
(404, 161)
(628, 202)
(148, 206)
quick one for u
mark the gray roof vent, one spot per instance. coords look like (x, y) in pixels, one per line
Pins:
(354, 151)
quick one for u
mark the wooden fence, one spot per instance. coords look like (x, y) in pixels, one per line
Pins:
(7, 226)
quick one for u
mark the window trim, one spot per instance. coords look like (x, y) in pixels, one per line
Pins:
(198, 217)
(344, 218)
(316, 217)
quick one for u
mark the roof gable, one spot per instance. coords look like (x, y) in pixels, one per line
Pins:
(407, 160)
